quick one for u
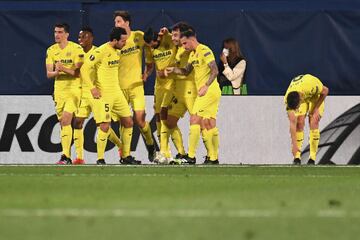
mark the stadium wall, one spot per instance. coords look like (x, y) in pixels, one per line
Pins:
(253, 130)
(280, 39)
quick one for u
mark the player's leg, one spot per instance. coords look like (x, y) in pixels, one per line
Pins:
(300, 124)
(137, 100)
(122, 111)
(314, 137)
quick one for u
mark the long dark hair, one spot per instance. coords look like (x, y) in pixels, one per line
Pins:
(235, 54)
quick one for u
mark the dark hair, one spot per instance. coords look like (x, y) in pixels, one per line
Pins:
(116, 33)
(235, 54)
(65, 26)
(188, 32)
(150, 35)
(125, 15)
(181, 26)
(293, 100)
(87, 29)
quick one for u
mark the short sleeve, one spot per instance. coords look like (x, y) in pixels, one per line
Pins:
(49, 57)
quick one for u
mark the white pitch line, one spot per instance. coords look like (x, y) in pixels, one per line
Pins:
(180, 213)
(165, 175)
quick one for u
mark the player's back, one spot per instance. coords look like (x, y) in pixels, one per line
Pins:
(130, 66)
(307, 84)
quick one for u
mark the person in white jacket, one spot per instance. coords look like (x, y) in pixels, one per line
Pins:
(231, 68)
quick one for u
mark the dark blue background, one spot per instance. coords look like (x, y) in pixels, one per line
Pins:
(280, 39)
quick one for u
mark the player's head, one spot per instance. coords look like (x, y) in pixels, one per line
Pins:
(188, 39)
(176, 31)
(86, 37)
(61, 32)
(293, 100)
(118, 37)
(151, 38)
(122, 18)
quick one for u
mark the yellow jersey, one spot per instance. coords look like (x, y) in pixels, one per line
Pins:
(69, 56)
(163, 57)
(130, 67)
(85, 86)
(104, 60)
(310, 87)
(184, 85)
(200, 59)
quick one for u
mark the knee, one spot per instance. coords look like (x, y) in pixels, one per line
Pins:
(300, 125)
(163, 113)
(78, 123)
(171, 122)
(140, 120)
(127, 122)
(104, 127)
(195, 119)
(65, 120)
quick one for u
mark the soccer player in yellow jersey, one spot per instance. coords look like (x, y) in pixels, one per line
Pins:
(131, 78)
(162, 52)
(63, 61)
(85, 39)
(305, 96)
(108, 98)
(206, 104)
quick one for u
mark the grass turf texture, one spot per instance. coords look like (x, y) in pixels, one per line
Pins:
(159, 202)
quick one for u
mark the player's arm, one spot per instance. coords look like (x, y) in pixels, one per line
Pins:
(50, 72)
(213, 74)
(323, 95)
(87, 71)
(293, 122)
(149, 68)
(72, 72)
(180, 71)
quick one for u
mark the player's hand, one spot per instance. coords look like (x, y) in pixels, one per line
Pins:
(144, 77)
(223, 58)
(203, 90)
(168, 70)
(161, 73)
(294, 150)
(59, 67)
(95, 92)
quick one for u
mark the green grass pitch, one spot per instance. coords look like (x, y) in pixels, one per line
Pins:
(163, 202)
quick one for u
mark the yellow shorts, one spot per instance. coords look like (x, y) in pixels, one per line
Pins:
(162, 98)
(135, 97)
(85, 108)
(68, 102)
(180, 105)
(114, 108)
(305, 108)
(207, 106)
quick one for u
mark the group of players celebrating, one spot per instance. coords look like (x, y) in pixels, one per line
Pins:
(108, 81)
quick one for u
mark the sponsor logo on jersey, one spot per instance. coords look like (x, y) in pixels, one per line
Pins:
(130, 50)
(163, 54)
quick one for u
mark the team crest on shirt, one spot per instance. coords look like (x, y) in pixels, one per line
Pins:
(136, 40)
(68, 54)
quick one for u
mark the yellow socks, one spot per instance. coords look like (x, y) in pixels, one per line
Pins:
(176, 137)
(207, 139)
(158, 130)
(194, 136)
(164, 139)
(216, 141)
(101, 140)
(126, 136)
(66, 137)
(146, 132)
(114, 138)
(299, 142)
(79, 143)
(314, 143)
